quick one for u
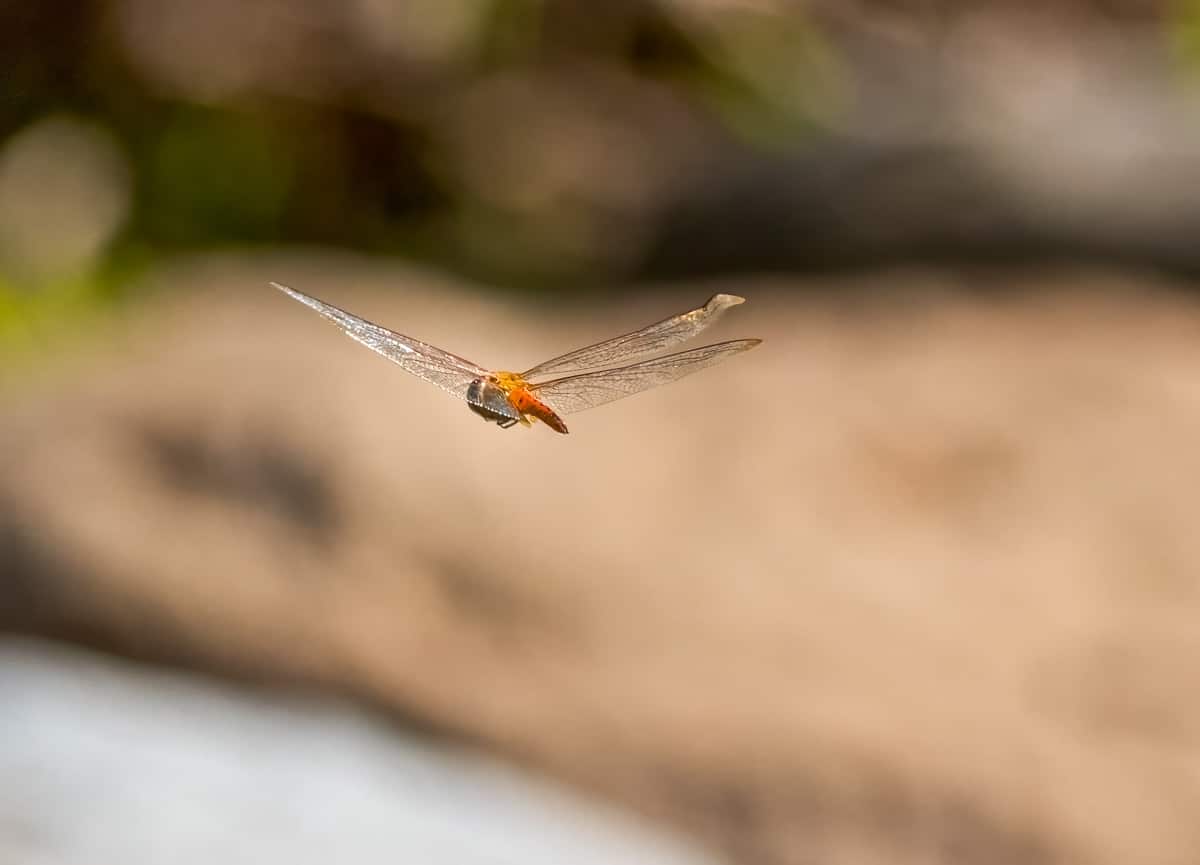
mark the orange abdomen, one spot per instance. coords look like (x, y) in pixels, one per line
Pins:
(526, 403)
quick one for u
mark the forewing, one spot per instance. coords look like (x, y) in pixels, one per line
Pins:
(648, 340)
(448, 371)
(586, 390)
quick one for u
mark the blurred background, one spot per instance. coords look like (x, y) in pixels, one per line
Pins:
(917, 581)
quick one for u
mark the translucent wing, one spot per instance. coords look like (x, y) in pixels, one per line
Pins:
(589, 389)
(648, 340)
(448, 371)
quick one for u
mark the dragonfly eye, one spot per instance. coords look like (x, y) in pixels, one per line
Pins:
(490, 402)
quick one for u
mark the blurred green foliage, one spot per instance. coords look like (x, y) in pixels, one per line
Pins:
(214, 176)
(770, 79)
(1184, 32)
(31, 320)
(531, 143)
(326, 125)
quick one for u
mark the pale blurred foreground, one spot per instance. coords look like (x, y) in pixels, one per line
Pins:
(111, 763)
(916, 581)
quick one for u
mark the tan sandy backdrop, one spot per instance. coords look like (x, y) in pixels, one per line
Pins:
(915, 581)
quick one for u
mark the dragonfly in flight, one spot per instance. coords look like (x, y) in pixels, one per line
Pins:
(569, 383)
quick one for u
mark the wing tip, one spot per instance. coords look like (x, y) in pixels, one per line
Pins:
(724, 301)
(285, 289)
(311, 302)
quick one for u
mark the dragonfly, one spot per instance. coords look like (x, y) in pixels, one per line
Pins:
(569, 383)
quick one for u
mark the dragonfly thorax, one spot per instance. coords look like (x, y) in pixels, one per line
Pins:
(490, 401)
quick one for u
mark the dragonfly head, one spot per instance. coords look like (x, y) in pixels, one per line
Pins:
(489, 400)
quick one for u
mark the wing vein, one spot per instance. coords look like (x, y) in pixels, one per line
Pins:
(448, 371)
(575, 393)
(648, 340)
